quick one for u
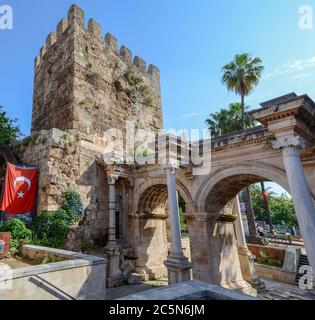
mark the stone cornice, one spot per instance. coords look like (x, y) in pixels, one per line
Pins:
(144, 215)
(275, 115)
(226, 218)
(238, 144)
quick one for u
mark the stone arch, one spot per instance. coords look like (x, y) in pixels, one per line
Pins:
(224, 184)
(149, 195)
(153, 200)
(151, 220)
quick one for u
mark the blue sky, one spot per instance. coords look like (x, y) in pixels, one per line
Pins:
(189, 40)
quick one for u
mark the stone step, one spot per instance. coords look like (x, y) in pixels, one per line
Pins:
(303, 261)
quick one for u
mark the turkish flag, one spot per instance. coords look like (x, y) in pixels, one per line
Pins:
(20, 190)
(265, 195)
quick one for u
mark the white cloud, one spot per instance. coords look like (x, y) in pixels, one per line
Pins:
(190, 115)
(296, 69)
(184, 117)
(302, 76)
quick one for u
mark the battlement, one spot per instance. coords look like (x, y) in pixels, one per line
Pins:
(85, 81)
(76, 21)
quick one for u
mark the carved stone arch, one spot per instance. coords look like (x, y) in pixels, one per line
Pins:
(223, 184)
(155, 190)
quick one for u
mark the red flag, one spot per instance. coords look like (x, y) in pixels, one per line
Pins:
(20, 190)
(265, 195)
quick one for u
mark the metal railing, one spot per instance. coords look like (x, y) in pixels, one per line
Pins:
(50, 288)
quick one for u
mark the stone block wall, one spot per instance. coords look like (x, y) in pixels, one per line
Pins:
(86, 83)
(85, 86)
(64, 162)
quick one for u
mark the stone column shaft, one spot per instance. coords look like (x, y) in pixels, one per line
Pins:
(240, 233)
(177, 249)
(115, 277)
(246, 257)
(302, 199)
(112, 213)
(177, 264)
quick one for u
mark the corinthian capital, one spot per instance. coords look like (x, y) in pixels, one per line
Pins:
(112, 174)
(289, 142)
(172, 166)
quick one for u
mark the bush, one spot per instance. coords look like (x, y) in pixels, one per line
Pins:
(73, 206)
(20, 233)
(51, 228)
(264, 258)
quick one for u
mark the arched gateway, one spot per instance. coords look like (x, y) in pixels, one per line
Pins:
(84, 100)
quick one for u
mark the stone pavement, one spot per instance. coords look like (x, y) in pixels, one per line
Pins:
(283, 291)
(116, 293)
(274, 291)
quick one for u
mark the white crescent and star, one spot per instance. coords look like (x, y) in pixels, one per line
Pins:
(25, 180)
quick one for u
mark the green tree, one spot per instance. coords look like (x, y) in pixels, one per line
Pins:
(9, 130)
(241, 76)
(182, 220)
(229, 120)
(258, 201)
(281, 207)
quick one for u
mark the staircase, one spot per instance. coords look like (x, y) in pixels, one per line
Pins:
(302, 262)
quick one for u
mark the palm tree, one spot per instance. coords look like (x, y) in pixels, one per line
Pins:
(229, 120)
(265, 195)
(242, 75)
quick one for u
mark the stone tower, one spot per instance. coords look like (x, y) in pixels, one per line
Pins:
(85, 83)
(84, 86)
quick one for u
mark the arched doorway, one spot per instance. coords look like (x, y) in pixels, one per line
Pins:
(213, 242)
(151, 227)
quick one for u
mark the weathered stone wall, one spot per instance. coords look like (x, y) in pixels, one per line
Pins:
(84, 82)
(83, 87)
(65, 162)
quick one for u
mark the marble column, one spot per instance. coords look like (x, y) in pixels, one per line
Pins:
(114, 274)
(300, 192)
(247, 259)
(177, 264)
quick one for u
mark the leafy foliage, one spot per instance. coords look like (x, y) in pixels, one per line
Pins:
(51, 228)
(138, 87)
(19, 231)
(242, 74)
(281, 207)
(229, 120)
(73, 206)
(182, 220)
(266, 259)
(9, 131)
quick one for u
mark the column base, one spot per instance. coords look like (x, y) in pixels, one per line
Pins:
(179, 269)
(151, 272)
(241, 286)
(114, 275)
(248, 269)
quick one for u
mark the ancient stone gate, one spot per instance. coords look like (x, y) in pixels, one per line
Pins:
(87, 93)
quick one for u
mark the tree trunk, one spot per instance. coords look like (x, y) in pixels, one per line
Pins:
(267, 210)
(243, 112)
(250, 212)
